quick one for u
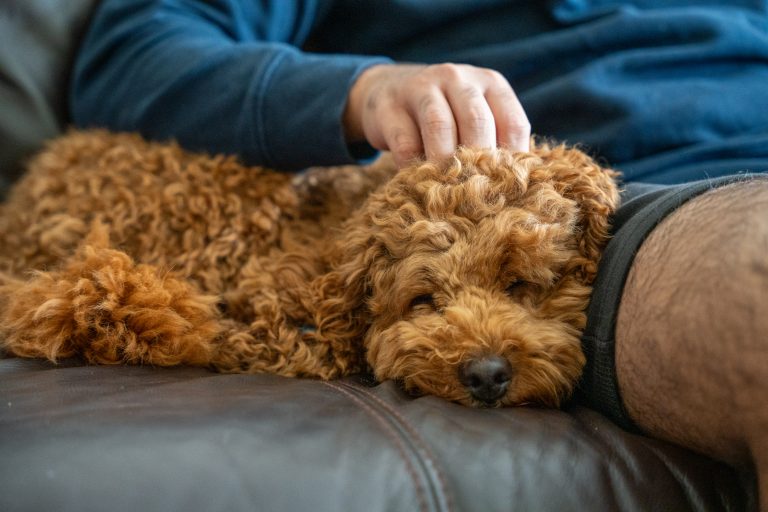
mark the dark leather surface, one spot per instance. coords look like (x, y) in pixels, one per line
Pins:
(86, 438)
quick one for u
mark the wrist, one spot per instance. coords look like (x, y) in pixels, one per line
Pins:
(353, 111)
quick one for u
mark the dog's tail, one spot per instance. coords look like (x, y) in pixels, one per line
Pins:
(102, 306)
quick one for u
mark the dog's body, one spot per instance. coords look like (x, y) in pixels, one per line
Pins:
(466, 279)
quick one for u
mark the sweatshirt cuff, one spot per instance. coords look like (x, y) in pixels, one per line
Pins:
(299, 110)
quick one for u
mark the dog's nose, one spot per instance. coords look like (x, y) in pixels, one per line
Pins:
(486, 378)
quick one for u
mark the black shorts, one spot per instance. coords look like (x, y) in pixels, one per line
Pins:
(643, 207)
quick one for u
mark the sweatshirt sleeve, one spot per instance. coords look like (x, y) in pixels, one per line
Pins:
(219, 76)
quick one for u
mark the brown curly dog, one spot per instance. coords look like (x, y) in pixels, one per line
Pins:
(467, 279)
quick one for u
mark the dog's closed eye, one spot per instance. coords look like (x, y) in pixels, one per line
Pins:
(423, 302)
(515, 288)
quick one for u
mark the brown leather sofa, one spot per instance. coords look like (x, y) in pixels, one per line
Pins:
(83, 438)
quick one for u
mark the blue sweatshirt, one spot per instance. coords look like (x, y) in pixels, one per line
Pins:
(667, 90)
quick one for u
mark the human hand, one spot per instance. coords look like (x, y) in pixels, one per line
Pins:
(412, 110)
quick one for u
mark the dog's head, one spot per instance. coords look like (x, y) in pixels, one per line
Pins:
(469, 279)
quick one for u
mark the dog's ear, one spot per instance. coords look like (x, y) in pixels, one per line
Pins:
(578, 177)
(340, 294)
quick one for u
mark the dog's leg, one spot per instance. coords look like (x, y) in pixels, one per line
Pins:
(285, 350)
(272, 326)
(102, 306)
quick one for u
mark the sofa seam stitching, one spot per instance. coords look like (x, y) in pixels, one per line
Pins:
(392, 435)
(417, 440)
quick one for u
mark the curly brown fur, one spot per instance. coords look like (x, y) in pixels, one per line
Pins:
(118, 250)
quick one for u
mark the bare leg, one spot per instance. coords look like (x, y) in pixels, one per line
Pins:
(692, 331)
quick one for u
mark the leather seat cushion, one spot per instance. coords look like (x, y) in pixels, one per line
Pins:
(85, 438)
